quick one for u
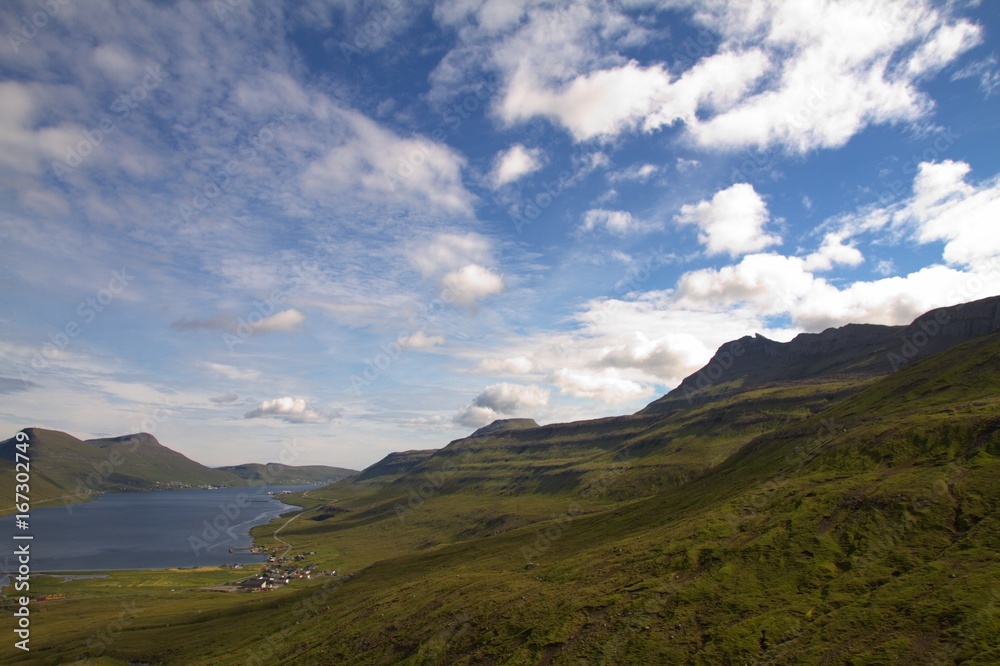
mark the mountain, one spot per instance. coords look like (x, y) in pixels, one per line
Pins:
(287, 475)
(821, 507)
(854, 349)
(64, 467)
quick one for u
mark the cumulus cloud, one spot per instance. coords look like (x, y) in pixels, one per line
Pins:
(833, 252)
(419, 340)
(473, 416)
(799, 74)
(732, 222)
(947, 209)
(461, 266)
(606, 385)
(501, 399)
(373, 161)
(290, 410)
(515, 163)
(470, 284)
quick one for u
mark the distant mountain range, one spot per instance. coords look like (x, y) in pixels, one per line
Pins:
(63, 466)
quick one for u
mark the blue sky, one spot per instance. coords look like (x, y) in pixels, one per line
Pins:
(321, 232)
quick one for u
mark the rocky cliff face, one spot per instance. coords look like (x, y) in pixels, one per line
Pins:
(867, 349)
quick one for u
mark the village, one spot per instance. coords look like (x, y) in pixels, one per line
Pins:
(278, 571)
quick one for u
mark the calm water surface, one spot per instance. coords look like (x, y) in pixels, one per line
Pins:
(147, 530)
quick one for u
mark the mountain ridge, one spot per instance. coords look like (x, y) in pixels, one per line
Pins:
(852, 349)
(64, 466)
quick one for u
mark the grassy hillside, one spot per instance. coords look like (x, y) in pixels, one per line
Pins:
(64, 468)
(827, 522)
(279, 474)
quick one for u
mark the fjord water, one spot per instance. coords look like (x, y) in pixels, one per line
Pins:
(149, 530)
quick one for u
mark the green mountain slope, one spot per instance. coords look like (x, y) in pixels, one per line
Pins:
(839, 522)
(815, 510)
(861, 350)
(280, 474)
(67, 468)
(866, 533)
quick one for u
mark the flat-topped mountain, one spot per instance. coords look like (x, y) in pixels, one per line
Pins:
(287, 475)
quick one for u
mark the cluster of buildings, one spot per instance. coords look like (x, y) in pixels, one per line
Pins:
(280, 573)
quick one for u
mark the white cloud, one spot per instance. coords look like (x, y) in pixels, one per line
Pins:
(944, 46)
(502, 398)
(600, 104)
(515, 163)
(460, 263)
(225, 398)
(512, 398)
(985, 70)
(732, 222)
(419, 340)
(687, 165)
(797, 74)
(473, 416)
(290, 410)
(606, 385)
(659, 358)
(373, 162)
(617, 222)
(833, 252)
(944, 208)
(948, 209)
(470, 284)
(286, 320)
(640, 173)
(231, 372)
(446, 252)
(515, 365)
